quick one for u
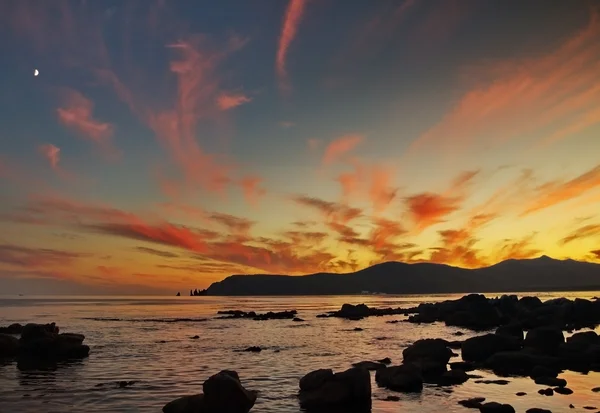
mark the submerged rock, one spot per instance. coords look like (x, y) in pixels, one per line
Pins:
(322, 390)
(43, 342)
(9, 346)
(430, 355)
(494, 407)
(281, 315)
(369, 365)
(403, 378)
(481, 348)
(473, 403)
(359, 311)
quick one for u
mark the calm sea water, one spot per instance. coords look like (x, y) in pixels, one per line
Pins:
(136, 338)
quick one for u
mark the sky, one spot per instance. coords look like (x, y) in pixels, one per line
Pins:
(157, 146)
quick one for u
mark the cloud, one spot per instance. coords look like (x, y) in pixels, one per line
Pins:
(289, 30)
(51, 153)
(158, 253)
(524, 97)
(374, 181)
(596, 254)
(227, 101)
(340, 147)
(232, 223)
(20, 256)
(252, 189)
(77, 114)
(586, 231)
(556, 192)
(331, 210)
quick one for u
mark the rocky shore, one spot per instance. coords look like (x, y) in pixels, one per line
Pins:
(514, 337)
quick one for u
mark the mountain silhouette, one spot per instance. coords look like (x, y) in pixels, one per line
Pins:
(514, 275)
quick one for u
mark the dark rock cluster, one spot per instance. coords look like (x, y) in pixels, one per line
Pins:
(281, 315)
(40, 344)
(324, 389)
(360, 311)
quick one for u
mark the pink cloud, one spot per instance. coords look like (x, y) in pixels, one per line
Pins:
(77, 114)
(227, 101)
(51, 153)
(293, 16)
(341, 146)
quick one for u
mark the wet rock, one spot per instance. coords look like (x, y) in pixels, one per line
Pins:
(473, 403)
(543, 371)
(500, 382)
(15, 328)
(456, 344)
(494, 407)
(511, 330)
(538, 410)
(481, 348)
(43, 342)
(315, 379)
(432, 353)
(369, 365)
(9, 346)
(571, 406)
(551, 381)
(589, 407)
(519, 362)
(281, 315)
(195, 337)
(223, 392)
(544, 339)
(546, 392)
(563, 390)
(458, 334)
(521, 393)
(452, 377)
(596, 389)
(186, 404)
(357, 329)
(253, 349)
(123, 383)
(349, 388)
(403, 378)
(297, 319)
(392, 399)
(386, 360)
(463, 365)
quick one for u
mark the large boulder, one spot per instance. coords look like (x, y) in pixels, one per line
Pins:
(403, 378)
(511, 330)
(348, 388)
(186, 404)
(42, 341)
(15, 328)
(544, 339)
(315, 379)
(434, 349)
(34, 331)
(481, 348)
(519, 362)
(223, 392)
(473, 311)
(9, 346)
(494, 407)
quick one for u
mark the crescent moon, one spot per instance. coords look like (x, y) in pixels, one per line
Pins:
(36, 72)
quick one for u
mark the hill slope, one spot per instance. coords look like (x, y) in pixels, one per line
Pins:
(539, 274)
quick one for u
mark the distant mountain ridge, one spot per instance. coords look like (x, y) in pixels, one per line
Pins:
(537, 274)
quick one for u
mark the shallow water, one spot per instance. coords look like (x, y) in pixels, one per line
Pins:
(148, 340)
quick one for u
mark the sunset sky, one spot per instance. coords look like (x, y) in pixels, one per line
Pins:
(165, 145)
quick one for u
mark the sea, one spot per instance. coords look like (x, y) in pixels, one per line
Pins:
(148, 340)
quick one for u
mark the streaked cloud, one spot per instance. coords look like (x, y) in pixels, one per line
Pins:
(227, 101)
(51, 153)
(291, 21)
(340, 146)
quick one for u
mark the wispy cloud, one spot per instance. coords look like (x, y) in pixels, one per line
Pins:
(51, 153)
(251, 186)
(340, 146)
(158, 253)
(227, 101)
(586, 231)
(289, 30)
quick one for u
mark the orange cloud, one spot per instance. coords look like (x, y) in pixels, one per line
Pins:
(20, 256)
(428, 209)
(77, 114)
(340, 146)
(51, 153)
(587, 231)
(252, 189)
(524, 97)
(596, 254)
(291, 21)
(556, 192)
(227, 101)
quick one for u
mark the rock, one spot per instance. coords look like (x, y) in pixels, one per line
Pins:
(43, 342)
(434, 350)
(563, 390)
(281, 315)
(349, 388)
(253, 349)
(511, 330)
(585, 338)
(456, 344)
(530, 303)
(358, 329)
(452, 377)
(357, 312)
(458, 334)
(297, 319)
(224, 392)
(521, 393)
(15, 328)
(551, 381)
(589, 407)
(186, 404)
(546, 392)
(369, 365)
(9, 346)
(543, 371)
(537, 410)
(34, 331)
(315, 379)
(544, 339)
(493, 407)
(473, 403)
(596, 389)
(500, 382)
(403, 378)
(481, 348)
(123, 383)
(463, 365)
(392, 399)
(195, 337)
(386, 360)
(519, 362)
